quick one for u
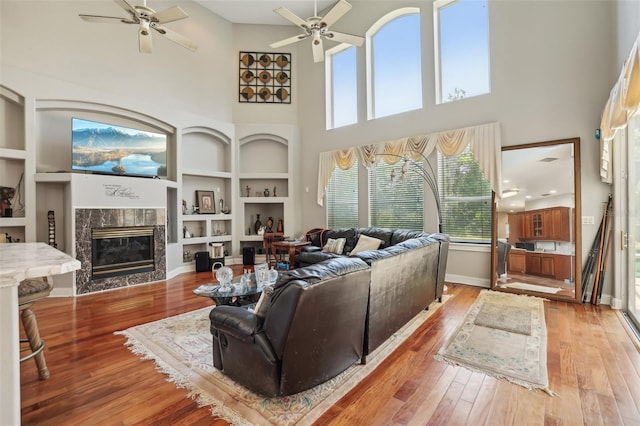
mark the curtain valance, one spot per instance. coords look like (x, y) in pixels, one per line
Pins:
(483, 140)
(623, 102)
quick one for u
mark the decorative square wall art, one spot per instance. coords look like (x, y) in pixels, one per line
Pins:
(265, 78)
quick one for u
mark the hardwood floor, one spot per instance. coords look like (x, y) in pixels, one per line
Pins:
(593, 364)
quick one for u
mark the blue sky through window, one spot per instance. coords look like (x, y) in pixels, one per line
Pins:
(464, 48)
(397, 66)
(345, 87)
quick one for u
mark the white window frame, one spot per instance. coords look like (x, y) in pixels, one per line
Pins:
(437, 5)
(329, 81)
(371, 32)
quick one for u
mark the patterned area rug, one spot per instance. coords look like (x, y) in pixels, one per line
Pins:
(181, 347)
(510, 343)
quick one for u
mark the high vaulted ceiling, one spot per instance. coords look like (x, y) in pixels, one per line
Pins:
(261, 11)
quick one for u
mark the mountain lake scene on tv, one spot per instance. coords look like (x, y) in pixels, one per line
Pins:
(107, 148)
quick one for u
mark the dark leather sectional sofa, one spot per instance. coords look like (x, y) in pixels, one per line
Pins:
(331, 312)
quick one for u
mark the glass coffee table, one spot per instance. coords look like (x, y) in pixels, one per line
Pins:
(239, 295)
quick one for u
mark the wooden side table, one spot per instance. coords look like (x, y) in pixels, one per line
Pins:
(290, 248)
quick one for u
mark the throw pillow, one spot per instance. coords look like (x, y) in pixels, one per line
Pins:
(264, 302)
(365, 243)
(334, 246)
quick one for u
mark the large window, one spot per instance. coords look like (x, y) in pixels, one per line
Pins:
(341, 86)
(465, 198)
(462, 49)
(395, 201)
(342, 198)
(394, 64)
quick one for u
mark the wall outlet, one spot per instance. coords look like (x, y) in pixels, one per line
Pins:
(588, 220)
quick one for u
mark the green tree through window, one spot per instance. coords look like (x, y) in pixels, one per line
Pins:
(465, 198)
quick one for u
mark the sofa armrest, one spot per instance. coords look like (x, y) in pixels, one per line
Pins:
(310, 249)
(235, 321)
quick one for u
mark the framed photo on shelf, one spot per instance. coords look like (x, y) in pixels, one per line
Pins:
(206, 201)
(262, 273)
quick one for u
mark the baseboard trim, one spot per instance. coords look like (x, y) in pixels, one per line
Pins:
(467, 280)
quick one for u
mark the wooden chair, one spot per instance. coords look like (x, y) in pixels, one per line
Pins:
(30, 291)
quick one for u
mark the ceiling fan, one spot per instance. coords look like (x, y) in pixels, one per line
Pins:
(317, 28)
(148, 18)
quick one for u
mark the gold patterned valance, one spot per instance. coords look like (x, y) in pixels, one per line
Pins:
(484, 141)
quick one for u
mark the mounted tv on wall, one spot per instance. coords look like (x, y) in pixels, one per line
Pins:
(108, 148)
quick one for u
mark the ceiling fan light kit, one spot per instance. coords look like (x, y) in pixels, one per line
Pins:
(317, 28)
(148, 19)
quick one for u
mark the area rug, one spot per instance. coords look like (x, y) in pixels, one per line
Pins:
(532, 287)
(181, 347)
(505, 336)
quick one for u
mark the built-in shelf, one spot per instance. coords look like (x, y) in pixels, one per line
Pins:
(53, 177)
(201, 217)
(13, 154)
(6, 222)
(263, 200)
(264, 175)
(206, 173)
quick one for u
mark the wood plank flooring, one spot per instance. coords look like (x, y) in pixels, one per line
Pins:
(593, 364)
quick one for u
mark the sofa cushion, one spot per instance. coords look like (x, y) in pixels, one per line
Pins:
(382, 234)
(349, 234)
(334, 246)
(366, 243)
(401, 235)
(308, 258)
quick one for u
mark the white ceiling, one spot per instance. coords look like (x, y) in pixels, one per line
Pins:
(261, 11)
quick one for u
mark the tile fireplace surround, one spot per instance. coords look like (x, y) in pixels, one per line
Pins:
(86, 219)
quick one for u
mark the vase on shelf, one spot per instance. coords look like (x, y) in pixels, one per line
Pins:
(248, 189)
(269, 224)
(258, 224)
(280, 226)
(275, 194)
(266, 192)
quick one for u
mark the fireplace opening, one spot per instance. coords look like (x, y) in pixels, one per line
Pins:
(121, 251)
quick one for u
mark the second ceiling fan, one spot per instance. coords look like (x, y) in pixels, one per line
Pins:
(317, 28)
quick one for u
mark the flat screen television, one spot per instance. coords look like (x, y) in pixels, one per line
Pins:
(111, 149)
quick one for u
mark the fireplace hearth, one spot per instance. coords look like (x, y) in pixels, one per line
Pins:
(121, 251)
(112, 270)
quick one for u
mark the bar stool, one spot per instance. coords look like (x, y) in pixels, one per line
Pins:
(30, 291)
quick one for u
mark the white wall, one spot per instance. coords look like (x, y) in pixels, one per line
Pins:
(48, 38)
(550, 68)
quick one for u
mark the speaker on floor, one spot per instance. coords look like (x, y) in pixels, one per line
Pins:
(248, 255)
(202, 261)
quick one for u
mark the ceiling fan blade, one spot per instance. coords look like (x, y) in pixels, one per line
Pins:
(344, 38)
(174, 13)
(336, 12)
(287, 41)
(127, 6)
(291, 17)
(145, 42)
(105, 19)
(175, 37)
(318, 49)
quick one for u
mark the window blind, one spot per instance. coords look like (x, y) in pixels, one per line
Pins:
(465, 198)
(342, 198)
(396, 204)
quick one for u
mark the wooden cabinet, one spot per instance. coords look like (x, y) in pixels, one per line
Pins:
(553, 224)
(549, 265)
(517, 262)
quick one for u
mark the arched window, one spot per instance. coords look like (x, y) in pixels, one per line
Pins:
(461, 32)
(341, 86)
(394, 71)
